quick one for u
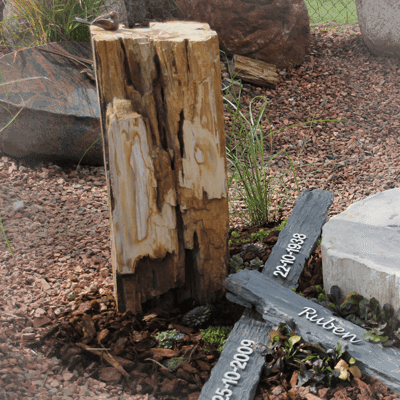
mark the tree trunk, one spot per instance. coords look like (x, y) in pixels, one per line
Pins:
(164, 151)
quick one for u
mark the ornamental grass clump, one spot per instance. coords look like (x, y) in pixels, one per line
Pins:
(246, 148)
(45, 21)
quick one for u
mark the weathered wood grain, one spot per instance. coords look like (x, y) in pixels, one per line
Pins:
(164, 148)
(256, 72)
(276, 303)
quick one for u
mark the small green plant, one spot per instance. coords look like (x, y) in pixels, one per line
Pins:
(5, 237)
(288, 341)
(216, 336)
(380, 324)
(321, 365)
(282, 225)
(344, 369)
(321, 293)
(321, 297)
(259, 236)
(235, 241)
(84, 154)
(71, 296)
(236, 262)
(256, 263)
(173, 363)
(168, 339)
(298, 292)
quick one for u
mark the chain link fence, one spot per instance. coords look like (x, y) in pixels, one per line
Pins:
(340, 11)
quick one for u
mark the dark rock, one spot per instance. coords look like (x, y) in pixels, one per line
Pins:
(308, 216)
(60, 117)
(316, 323)
(274, 31)
(250, 327)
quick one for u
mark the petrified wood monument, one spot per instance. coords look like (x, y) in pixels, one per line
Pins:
(162, 123)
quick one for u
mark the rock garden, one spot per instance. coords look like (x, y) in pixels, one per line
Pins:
(61, 336)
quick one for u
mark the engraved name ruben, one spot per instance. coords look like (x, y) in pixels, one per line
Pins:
(311, 315)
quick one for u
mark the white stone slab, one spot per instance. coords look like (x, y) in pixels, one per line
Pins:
(361, 249)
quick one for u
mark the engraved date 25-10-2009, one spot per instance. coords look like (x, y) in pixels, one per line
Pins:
(293, 247)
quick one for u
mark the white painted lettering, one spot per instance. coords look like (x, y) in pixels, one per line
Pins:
(307, 310)
(338, 331)
(318, 321)
(348, 334)
(311, 315)
(326, 326)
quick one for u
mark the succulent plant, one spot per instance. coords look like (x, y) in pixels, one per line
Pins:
(314, 363)
(235, 263)
(256, 248)
(168, 339)
(197, 317)
(173, 363)
(255, 264)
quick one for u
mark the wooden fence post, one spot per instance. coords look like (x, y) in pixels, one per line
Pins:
(162, 124)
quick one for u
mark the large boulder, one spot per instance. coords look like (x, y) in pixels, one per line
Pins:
(59, 115)
(379, 26)
(361, 249)
(145, 10)
(274, 31)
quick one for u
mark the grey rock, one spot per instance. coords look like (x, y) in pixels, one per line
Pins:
(360, 249)
(250, 327)
(308, 216)
(379, 21)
